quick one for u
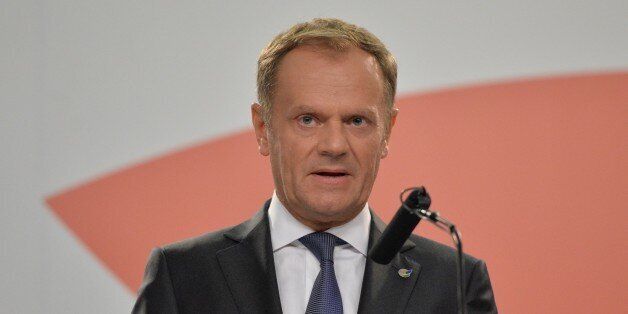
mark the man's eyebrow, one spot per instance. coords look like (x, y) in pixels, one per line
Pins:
(302, 108)
(369, 111)
(366, 111)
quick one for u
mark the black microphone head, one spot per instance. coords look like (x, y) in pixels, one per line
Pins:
(418, 199)
(400, 227)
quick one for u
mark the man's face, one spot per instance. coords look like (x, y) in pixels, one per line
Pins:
(327, 133)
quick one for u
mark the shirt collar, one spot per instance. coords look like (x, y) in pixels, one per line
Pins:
(285, 229)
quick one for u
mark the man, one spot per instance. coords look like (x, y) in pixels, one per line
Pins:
(326, 91)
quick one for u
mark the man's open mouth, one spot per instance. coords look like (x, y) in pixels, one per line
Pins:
(330, 174)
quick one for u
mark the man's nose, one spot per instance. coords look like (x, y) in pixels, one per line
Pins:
(332, 140)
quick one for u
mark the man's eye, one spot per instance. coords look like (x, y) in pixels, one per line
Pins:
(357, 121)
(306, 120)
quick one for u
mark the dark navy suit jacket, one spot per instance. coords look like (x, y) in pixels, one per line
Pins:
(232, 271)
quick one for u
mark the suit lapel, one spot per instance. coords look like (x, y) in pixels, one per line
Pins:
(383, 289)
(249, 267)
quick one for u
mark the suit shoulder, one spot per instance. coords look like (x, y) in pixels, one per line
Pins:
(205, 247)
(208, 243)
(427, 248)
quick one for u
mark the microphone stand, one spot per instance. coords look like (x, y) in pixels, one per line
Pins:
(448, 226)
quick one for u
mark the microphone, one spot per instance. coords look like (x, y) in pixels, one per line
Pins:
(401, 226)
(415, 207)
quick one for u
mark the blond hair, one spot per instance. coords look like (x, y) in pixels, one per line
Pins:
(333, 33)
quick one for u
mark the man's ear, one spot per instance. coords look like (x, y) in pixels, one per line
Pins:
(393, 119)
(261, 129)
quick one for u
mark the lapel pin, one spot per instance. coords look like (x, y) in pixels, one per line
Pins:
(404, 273)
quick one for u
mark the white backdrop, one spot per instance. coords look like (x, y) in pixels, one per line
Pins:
(88, 87)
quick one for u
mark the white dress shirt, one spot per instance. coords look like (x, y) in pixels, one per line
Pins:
(297, 268)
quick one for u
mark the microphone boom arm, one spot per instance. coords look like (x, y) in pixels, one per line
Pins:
(446, 225)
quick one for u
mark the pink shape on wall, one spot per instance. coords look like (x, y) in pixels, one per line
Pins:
(534, 172)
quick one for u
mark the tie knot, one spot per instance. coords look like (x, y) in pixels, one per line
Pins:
(321, 244)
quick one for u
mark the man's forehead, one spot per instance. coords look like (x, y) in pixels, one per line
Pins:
(308, 65)
(331, 54)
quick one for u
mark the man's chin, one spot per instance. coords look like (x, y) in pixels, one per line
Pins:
(333, 210)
